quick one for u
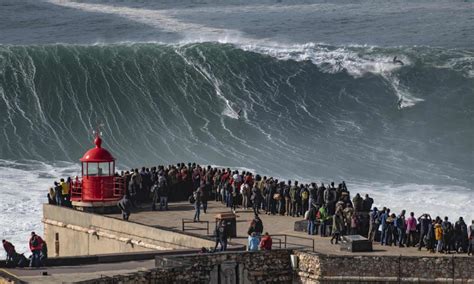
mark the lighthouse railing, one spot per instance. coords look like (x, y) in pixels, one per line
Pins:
(76, 189)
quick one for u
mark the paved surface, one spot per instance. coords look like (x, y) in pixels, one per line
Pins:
(273, 224)
(64, 274)
(172, 219)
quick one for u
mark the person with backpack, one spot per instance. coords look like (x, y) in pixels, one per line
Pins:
(256, 199)
(310, 216)
(245, 192)
(221, 236)
(400, 225)
(36, 246)
(447, 235)
(461, 235)
(304, 199)
(337, 225)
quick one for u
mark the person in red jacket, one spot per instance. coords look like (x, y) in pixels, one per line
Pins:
(36, 245)
(10, 249)
(266, 242)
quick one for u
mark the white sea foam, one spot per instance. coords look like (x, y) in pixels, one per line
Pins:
(328, 59)
(23, 189)
(436, 200)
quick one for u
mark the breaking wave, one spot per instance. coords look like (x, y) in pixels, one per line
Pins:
(327, 111)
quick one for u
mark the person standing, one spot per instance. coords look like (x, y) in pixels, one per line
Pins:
(470, 248)
(125, 205)
(310, 215)
(197, 204)
(337, 224)
(266, 242)
(411, 229)
(383, 222)
(163, 191)
(253, 242)
(36, 246)
(373, 224)
(304, 192)
(288, 199)
(221, 236)
(439, 236)
(293, 207)
(9, 249)
(425, 221)
(58, 194)
(401, 228)
(64, 192)
(256, 199)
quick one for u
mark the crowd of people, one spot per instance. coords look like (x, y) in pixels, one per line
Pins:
(38, 248)
(329, 209)
(60, 193)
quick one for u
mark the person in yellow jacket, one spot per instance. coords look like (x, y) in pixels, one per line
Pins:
(64, 189)
(439, 236)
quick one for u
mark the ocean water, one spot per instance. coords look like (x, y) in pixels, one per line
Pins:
(321, 98)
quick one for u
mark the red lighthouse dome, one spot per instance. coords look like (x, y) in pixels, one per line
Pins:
(97, 154)
(98, 183)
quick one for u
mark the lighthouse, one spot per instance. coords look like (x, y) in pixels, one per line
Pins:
(98, 187)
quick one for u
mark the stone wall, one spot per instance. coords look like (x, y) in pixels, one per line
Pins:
(314, 268)
(70, 232)
(232, 267)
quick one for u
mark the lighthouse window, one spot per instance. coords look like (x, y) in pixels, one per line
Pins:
(92, 169)
(104, 169)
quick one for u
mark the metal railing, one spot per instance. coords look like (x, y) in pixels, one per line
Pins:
(288, 241)
(186, 227)
(118, 187)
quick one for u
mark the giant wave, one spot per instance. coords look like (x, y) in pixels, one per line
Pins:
(309, 112)
(327, 111)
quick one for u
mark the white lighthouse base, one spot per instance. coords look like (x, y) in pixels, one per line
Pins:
(101, 207)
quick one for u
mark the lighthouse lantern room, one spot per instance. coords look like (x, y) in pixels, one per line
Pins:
(98, 183)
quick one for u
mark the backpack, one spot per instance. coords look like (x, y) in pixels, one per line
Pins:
(34, 242)
(306, 215)
(304, 195)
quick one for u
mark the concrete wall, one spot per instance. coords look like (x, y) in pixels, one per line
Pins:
(318, 268)
(275, 267)
(232, 267)
(81, 233)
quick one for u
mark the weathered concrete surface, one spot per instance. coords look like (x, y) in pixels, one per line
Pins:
(274, 224)
(81, 233)
(320, 268)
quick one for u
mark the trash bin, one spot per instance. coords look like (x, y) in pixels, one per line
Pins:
(230, 222)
